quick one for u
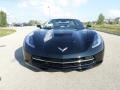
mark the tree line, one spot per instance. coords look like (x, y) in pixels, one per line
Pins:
(101, 20)
(3, 20)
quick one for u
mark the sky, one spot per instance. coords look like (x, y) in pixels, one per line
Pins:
(84, 10)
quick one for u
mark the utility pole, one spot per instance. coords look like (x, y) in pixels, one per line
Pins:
(49, 12)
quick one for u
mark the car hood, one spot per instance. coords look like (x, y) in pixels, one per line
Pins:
(62, 42)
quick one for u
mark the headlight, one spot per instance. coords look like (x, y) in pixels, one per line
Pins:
(29, 40)
(97, 41)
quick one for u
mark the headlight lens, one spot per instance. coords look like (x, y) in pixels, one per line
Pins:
(29, 40)
(97, 41)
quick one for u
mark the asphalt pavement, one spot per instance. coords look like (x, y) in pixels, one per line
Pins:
(15, 75)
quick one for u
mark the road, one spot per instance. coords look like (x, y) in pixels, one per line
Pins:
(14, 75)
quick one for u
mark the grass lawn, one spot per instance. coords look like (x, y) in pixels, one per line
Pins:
(6, 31)
(112, 29)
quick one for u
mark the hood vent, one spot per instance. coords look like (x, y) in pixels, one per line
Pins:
(62, 34)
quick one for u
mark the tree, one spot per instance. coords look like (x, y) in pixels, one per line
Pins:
(100, 19)
(33, 22)
(116, 21)
(3, 19)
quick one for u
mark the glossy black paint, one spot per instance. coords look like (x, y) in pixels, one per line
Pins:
(78, 42)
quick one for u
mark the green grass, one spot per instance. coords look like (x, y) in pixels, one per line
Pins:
(112, 29)
(6, 31)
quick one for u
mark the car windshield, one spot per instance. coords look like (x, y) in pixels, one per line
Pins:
(66, 24)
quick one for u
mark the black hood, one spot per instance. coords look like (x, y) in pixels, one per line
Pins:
(61, 42)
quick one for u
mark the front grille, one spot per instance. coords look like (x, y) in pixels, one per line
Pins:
(48, 59)
(64, 63)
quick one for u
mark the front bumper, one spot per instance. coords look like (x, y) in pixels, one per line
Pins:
(75, 63)
(64, 64)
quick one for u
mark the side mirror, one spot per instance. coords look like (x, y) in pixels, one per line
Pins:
(39, 26)
(48, 26)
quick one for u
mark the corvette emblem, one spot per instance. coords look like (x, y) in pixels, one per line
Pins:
(62, 49)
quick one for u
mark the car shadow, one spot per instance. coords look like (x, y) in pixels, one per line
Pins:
(36, 68)
(19, 57)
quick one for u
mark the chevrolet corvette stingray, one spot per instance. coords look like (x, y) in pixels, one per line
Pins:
(63, 44)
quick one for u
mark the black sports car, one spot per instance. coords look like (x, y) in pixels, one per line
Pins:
(63, 44)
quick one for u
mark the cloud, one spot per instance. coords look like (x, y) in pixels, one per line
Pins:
(113, 13)
(53, 10)
(28, 3)
(69, 3)
(34, 3)
(4, 9)
(63, 2)
(57, 8)
(79, 2)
